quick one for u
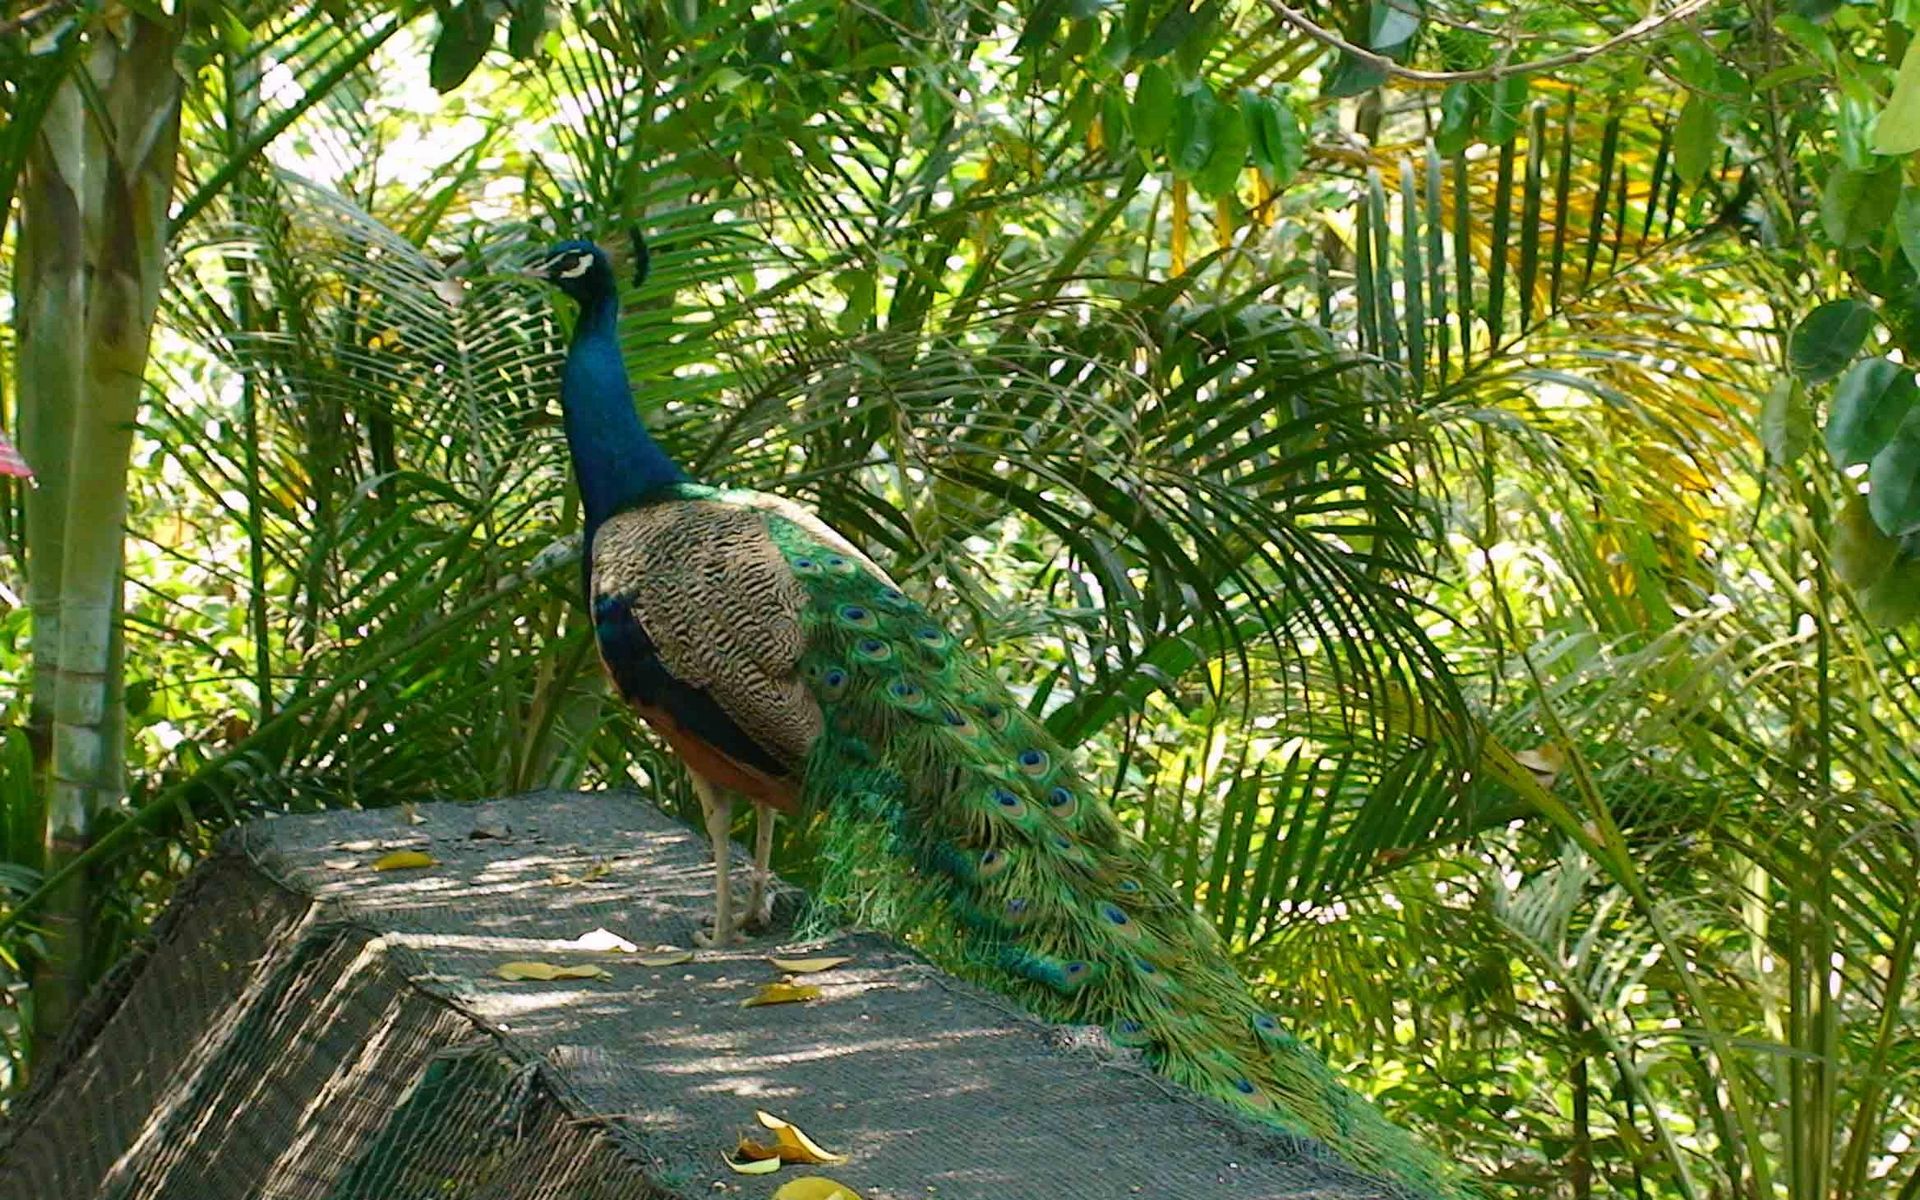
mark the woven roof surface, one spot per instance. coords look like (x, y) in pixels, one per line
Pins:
(307, 1028)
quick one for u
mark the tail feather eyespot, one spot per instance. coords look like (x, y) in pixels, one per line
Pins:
(1129, 1032)
(994, 714)
(856, 615)
(833, 683)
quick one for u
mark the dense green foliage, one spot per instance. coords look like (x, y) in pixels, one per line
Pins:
(1430, 487)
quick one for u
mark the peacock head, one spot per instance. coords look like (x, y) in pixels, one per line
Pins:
(580, 269)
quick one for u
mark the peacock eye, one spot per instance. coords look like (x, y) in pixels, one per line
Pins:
(572, 265)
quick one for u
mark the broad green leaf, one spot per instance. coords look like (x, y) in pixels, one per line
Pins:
(1152, 106)
(1507, 107)
(1869, 403)
(1351, 77)
(1391, 24)
(1459, 105)
(1791, 73)
(1786, 422)
(1390, 31)
(1810, 37)
(1114, 125)
(1695, 137)
(1861, 551)
(1828, 338)
(524, 27)
(1856, 205)
(1190, 140)
(1898, 129)
(1895, 600)
(1291, 151)
(1263, 128)
(1695, 64)
(466, 31)
(1895, 477)
(1906, 225)
(1229, 155)
(1175, 28)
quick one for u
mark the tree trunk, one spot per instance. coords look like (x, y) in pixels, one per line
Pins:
(91, 257)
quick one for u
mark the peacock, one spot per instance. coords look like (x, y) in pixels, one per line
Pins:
(783, 665)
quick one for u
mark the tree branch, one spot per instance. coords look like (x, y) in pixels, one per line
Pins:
(1644, 28)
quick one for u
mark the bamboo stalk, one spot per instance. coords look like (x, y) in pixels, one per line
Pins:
(93, 248)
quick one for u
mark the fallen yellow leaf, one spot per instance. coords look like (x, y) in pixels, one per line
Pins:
(403, 860)
(815, 1187)
(545, 970)
(566, 878)
(751, 1151)
(795, 1145)
(760, 1166)
(673, 959)
(807, 966)
(782, 993)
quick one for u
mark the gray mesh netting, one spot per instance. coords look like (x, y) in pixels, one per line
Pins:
(306, 1028)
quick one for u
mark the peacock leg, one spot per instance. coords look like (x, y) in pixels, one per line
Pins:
(759, 911)
(718, 807)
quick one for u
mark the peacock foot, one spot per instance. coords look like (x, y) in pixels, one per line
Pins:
(759, 917)
(704, 936)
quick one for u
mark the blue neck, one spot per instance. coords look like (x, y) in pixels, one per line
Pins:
(615, 460)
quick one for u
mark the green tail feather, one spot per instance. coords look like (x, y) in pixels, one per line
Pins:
(1022, 880)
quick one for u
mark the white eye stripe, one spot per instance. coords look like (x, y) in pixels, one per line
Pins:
(583, 264)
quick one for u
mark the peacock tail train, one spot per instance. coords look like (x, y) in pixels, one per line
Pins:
(1022, 879)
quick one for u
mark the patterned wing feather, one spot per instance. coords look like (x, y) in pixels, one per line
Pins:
(698, 616)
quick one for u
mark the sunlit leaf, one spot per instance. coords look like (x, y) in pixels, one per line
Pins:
(814, 1187)
(807, 966)
(664, 958)
(550, 971)
(1897, 131)
(794, 1144)
(1695, 138)
(404, 860)
(1786, 422)
(782, 993)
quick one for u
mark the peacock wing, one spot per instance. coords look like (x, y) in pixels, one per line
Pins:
(808, 526)
(698, 615)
